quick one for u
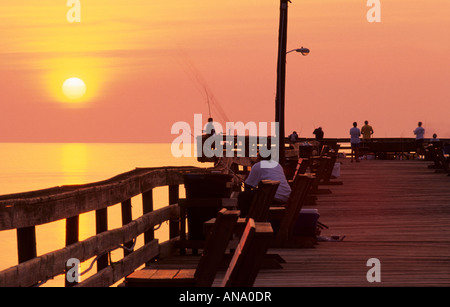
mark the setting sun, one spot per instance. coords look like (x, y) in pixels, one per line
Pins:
(74, 88)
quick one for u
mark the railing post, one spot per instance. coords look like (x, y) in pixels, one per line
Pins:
(126, 218)
(26, 243)
(101, 225)
(147, 206)
(72, 236)
(174, 196)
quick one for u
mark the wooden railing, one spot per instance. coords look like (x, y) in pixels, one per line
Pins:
(248, 146)
(26, 210)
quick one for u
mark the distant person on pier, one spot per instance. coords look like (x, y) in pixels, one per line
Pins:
(209, 129)
(355, 133)
(366, 131)
(293, 137)
(264, 169)
(318, 132)
(435, 138)
(420, 133)
(435, 142)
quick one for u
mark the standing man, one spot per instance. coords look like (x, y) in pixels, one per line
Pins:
(366, 131)
(209, 129)
(355, 133)
(420, 133)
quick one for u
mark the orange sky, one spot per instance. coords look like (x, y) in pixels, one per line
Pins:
(140, 59)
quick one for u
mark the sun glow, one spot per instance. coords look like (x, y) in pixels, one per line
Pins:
(74, 88)
(89, 69)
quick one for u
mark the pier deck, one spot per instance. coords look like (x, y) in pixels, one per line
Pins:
(396, 211)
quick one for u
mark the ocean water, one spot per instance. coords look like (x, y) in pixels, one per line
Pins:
(32, 166)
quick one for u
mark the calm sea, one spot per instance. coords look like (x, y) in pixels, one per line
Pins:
(33, 166)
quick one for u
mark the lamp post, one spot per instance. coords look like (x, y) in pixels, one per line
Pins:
(281, 77)
(302, 50)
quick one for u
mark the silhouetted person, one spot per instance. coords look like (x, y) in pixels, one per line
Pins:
(435, 142)
(420, 133)
(435, 139)
(293, 137)
(355, 133)
(366, 131)
(318, 132)
(210, 130)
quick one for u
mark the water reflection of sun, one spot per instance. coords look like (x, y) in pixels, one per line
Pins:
(74, 163)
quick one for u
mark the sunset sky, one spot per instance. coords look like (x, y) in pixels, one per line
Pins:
(146, 65)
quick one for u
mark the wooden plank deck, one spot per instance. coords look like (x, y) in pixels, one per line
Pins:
(396, 211)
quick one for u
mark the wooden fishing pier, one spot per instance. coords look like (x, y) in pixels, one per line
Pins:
(396, 211)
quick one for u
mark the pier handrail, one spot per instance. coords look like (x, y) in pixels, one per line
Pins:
(45, 206)
(23, 211)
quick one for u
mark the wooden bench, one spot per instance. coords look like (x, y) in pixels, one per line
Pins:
(318, 167)
(287, 215)
(259, 208)
(322, 165)
(259, 212)
(249, 254)
(210, 204)
(327, 175)
(208, 265)
(436, 154)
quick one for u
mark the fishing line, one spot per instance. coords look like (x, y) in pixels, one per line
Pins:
(202, 86)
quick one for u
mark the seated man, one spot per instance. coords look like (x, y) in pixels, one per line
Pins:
(264, 169)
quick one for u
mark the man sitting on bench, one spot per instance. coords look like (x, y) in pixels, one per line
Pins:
(264, 169)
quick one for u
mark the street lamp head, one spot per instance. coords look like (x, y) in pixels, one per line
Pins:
(303, 51)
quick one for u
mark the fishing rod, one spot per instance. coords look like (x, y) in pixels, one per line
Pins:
(209, 105)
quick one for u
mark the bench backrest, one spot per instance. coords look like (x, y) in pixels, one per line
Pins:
(300, 189)
(259, 208)
(304, 163)
(321, 166)
(215, 247)
(246, 261)
(437, 155)
(329, 167)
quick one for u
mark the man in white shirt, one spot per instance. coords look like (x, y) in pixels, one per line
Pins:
(420, 134)
(265, 169)
(355, 133)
